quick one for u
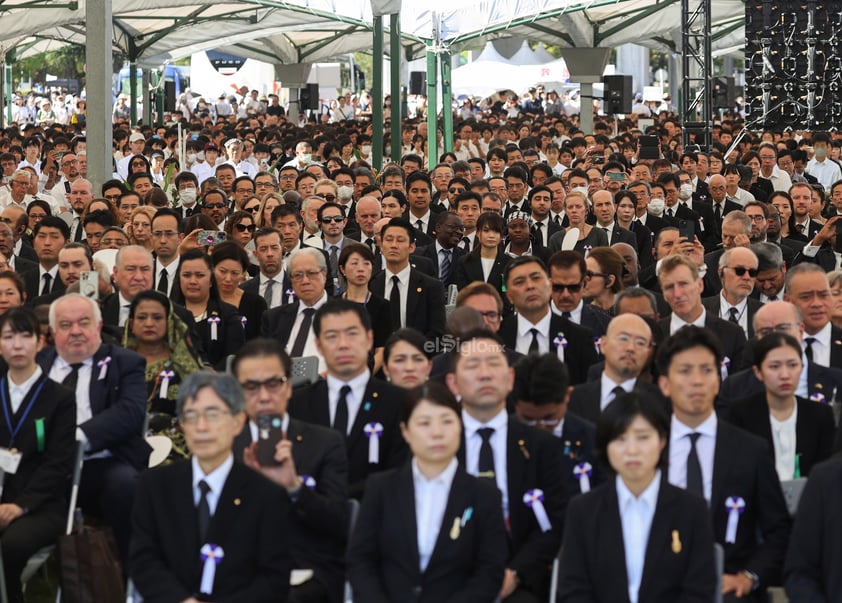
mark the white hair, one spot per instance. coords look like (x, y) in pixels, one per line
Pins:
(69, 296)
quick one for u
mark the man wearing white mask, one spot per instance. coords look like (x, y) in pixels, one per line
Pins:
(187, 184)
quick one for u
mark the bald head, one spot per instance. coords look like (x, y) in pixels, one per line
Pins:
(779, 316)
(717, 188)
(627, 346)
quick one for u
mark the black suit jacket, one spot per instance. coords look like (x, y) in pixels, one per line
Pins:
(814, 427)
(253, 286)
(27, 253)
(812, 571)
(381, 404)
(713, 306)
(318, 520)
(230, 334)
(424, 303)
(824, 258)
(250, 524)
(277, 323)
(592, 318)
(118, 403)
(419, 263)
(593, 563)
(532, 462)
(585, 398)
(469, 270)
(429, 252)
(469, 556)
(578, 440)
(32, 280)
(579, 354)
(175, 288)
(655, 224)
(732, 338)
(645, 243)
(24, 264)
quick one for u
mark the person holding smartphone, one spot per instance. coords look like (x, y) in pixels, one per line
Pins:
(825, 248)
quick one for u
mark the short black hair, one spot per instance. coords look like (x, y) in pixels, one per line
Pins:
(52, 222)
(521, 261)
(470, 336)
(407, 335)
(619, 414)
(432, 392)
(400, 223)
(541, 380)
(262, 347)
(21, 320)
(340, 306)
(761, 347)
(687, 338)
(167, 211)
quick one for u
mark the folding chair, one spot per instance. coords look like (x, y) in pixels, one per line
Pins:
(305, 370)
(353, 512)
(719, 563)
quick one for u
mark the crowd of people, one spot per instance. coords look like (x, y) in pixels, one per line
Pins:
(545, 365)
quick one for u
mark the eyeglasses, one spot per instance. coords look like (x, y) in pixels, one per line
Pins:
(334, 219)
(299, 275)
(214, 205)
(21, 182)
(272, 385)
(210, 415)
(35, 216)
(640, 343)
(244, 227)
(491, 316)
(456, 191)
(784, 327)
(243, 191)
(741, 271)
(541, 422)
(68, 162)
(169, 234)
(112, 197)
(559, 288)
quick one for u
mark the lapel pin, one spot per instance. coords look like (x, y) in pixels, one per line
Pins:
(367, 406)
(237, 502)
(374, 394)
(298, 438)
(419, 289)
(522, 445)
(456, 529)
(676, 542)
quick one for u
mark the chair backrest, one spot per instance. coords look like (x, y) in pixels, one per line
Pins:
(719, 563)
(78, 460)
(305, 370)
(353, 512)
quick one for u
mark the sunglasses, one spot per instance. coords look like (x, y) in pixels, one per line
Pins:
(741, 271)
(214, 205)
(456, 191)
(244, 227)
(575, 288)
(335, 219)
(253, 210)
(329, 197)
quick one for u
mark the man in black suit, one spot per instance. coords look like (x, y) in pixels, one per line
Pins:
(445, 252)
(415, 299)
(605, 211)
(802, 200)
(110, 387)
(269, 252)
(735, 232)
(18, 221)
(730, 468)
(516, 181)
(771, 272)
(567, 277)
(292, 324)
(675, 210)
(643, 193)
(309, 463)
(419, 213)
(73, 260)
(350, 400)
(737, 272)
(808, 289)
(534, 328)
(542, 393)
(760, 213)
(210, 528)
(721, 205)
(540, 199)
(49, 236)
(519, 459)
(7, 248)
(288, 221)
(627, 347)
(682, 288)
(167, 233)
(421, 264)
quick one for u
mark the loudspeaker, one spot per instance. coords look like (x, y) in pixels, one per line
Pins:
(169, 96)
(617, 94)
(417, 82)
(308, 97)
(723, 92)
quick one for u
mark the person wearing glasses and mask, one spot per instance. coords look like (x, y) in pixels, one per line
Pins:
(190, 516)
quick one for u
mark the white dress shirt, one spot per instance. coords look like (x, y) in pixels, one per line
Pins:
(473, 441)
(430, 502)
(310, 348)
(53, 272)
(636, 515)
(403, 287)
(524, 334)
(277, 288)
(783, 442)
(18, 392)
(607, 386)
(354, 399)
(171, 269)
(61, 369)
(425, 221)
(821, 345)
(215, 481)
(125, 306)
(742, 313)
(575, 313)
(676, 322)
(680, 448)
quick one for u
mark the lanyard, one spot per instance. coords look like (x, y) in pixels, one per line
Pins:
(14, 432)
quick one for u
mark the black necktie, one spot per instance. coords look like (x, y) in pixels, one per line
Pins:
(669, 212)
(533, 345)
(340, 419)
(734, 315)
(72, 377)
(45, 288)
(419, 225)
(486, 454)
(303, 333)
(773, 298)
(267, 294)
(717, 212)
(808, 349)
(537, 235)
(566, 316)
(203, 511)
(466, 243)
(557, 220)
(164, 282)
(77, 237)
(694, 468)
(370, 243)
(395, 303)
(617, 392)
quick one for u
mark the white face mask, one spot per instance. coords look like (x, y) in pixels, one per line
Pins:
(200, 156)
(187, 196)
(685, 192)
(656, 206)
(345, 192)
(306, 157)
(191, 157)
(366, 149)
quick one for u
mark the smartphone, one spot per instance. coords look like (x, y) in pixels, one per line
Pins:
(211, 237)
(269, 433)
(598, 159)
(687, 229)
(616, 176)
(838, 233)
(89, 284)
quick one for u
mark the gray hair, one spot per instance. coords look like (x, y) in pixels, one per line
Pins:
(118, 260)
(316, 254)
(70, 296)
(769, 256)
(634, 293)
(726, 256)
(802, 268)
(740, 217)
(223, 385)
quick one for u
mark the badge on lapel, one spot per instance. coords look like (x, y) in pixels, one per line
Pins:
(676, 542)
(103, 367)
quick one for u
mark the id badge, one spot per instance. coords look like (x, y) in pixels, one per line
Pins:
(9, 460)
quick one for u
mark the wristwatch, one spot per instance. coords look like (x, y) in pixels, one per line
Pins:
(755, 579)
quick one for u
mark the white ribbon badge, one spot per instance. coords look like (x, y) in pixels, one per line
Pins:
(103, 367)
(735, 505)
(373, 431)
(560, 343)
(583, 471)
(166, 375)
(213, 321)
(212, 555)
(535, 500)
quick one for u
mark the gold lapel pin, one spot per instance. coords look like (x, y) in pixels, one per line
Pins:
(524, 451)
(419, 289)
(237, 502)
(374, 394)
(676, 542)
(298, 438)
(456, 529)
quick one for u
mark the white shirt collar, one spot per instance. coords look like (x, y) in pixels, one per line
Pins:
(216, 478)
(26, 385)
(445, 478)
(543, 325)
(499, 421)
(676, 322)
(707, 427)
(649, 496)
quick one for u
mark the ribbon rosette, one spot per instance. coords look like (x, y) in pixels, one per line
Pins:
(244, 321)
(103, 367)
(560, 343)
(735, 505)
(165, 376)
(535, 500)
(308, 481)
(583, 472)
(726, 364)
(373, 431)
(211, 555)
(214, 321)
(290, 293)
(818, 397)
(588, 249)
(597, 346)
